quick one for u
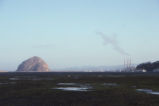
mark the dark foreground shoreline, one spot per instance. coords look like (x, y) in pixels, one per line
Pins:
(96, 89)
(80, 73)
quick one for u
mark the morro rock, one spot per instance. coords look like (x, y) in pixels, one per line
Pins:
(34, 64)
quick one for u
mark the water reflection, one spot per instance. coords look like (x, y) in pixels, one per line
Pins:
(73, 88)
(148, 91)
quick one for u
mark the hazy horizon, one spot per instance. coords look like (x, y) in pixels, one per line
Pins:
(78, 33)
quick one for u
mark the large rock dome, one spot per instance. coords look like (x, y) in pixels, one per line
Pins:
(34, 64)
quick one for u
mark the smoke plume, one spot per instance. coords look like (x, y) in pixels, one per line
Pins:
(113, 42)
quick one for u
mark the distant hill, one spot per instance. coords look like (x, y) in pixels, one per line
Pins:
(116, 68)
(34, 64)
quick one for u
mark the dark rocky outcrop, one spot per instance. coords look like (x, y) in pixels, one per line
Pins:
(148, 66)
(34, 64)
(156, 65)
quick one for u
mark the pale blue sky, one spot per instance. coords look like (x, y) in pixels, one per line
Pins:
(63, 32)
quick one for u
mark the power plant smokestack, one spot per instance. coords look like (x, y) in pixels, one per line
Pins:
(127, 64)
(111, 40)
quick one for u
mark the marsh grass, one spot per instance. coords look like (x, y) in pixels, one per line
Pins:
(28, 92)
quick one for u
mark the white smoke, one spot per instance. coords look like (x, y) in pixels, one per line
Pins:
(113, 42)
